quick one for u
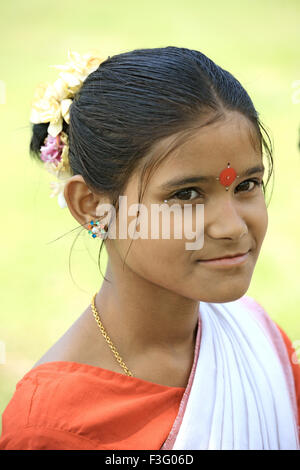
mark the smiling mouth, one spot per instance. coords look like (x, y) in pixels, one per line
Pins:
(226, 256)
(228, 261)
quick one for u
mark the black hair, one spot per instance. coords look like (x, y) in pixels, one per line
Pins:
(136, 98)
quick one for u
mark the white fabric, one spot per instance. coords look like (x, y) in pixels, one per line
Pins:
(239, 397)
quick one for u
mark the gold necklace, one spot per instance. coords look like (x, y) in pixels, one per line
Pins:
(112, 347)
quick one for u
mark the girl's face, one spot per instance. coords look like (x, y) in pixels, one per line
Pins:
(235, 221)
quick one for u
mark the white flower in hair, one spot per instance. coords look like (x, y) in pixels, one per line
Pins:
(51, 104)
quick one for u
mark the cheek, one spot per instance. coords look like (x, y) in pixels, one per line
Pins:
(156, 260)
(167, 265)
(259, 222)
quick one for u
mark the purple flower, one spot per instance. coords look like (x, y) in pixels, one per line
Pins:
(52, 150)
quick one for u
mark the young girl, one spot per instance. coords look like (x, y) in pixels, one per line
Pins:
(171, 353)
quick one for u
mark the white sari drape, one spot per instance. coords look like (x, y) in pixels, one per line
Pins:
(241, 392)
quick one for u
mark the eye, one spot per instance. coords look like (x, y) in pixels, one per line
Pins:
(245, 184)
(183, 195)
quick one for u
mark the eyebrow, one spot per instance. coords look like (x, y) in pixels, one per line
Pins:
(198, 179)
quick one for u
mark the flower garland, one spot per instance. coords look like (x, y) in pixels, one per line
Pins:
(51, 103)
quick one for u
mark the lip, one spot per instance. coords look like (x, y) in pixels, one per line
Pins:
(233, 261)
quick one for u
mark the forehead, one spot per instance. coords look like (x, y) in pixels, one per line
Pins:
(207, 150)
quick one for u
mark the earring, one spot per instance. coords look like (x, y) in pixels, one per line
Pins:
(97, 230)
(227, 176)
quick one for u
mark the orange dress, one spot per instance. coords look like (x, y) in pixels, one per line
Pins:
(72, 406)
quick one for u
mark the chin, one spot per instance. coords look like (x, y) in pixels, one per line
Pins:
(226, 295)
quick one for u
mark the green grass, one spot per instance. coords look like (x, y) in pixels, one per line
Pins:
(257, 41)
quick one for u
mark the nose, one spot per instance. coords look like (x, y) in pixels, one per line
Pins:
(225, 220)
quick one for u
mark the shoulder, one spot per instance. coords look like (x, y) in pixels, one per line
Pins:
(295, 365)
(46, 394)
(65, 405)
(275, 331)
(49, 406)
(266, 319)
(82, 344)
(283, 344)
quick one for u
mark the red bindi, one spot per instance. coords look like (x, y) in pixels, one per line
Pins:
(227, 176)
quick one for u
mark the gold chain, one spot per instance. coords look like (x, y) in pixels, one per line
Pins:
(112, 347)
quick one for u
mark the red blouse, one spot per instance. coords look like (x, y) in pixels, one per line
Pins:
(68, 405)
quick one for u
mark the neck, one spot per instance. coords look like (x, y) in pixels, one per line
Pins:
(152, 320)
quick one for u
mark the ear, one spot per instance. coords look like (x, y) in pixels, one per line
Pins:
(81, 200)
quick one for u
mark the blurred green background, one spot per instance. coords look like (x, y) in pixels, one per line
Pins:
(256, 41)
